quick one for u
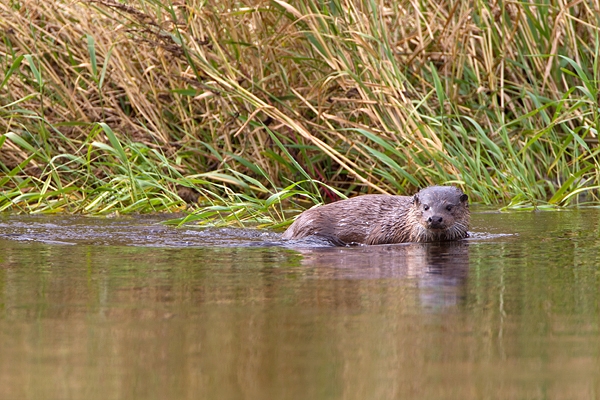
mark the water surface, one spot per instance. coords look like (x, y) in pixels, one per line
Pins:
(127, 308)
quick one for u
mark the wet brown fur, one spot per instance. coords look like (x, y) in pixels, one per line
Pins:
(436, 213)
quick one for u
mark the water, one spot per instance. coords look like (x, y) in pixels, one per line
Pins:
(129, 309)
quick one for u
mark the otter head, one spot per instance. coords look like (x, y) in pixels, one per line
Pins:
(443, 211)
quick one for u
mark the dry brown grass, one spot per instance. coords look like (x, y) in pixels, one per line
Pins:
(364, 96)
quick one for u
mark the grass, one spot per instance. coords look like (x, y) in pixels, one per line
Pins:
(234, 112)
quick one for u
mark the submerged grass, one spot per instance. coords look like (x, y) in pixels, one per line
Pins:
(236, 111)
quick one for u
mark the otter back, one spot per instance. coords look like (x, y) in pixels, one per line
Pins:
(436, 213)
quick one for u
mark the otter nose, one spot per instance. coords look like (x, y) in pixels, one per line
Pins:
(436, 221)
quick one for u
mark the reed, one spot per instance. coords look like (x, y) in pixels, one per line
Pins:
(237, 111)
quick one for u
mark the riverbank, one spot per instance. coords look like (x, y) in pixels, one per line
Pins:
(228, 110)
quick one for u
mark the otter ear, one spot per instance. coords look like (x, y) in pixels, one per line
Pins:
(416, 199)
(464, 198)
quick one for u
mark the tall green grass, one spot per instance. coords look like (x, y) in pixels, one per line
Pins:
(246, 109)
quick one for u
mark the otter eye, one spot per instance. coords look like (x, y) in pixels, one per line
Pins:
(425, 207)
(449, 207)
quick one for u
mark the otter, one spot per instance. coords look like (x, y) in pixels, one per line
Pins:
(434, 214)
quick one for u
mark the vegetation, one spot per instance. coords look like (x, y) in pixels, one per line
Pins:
(238, 107)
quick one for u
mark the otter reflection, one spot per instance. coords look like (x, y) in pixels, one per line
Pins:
(438, 271)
